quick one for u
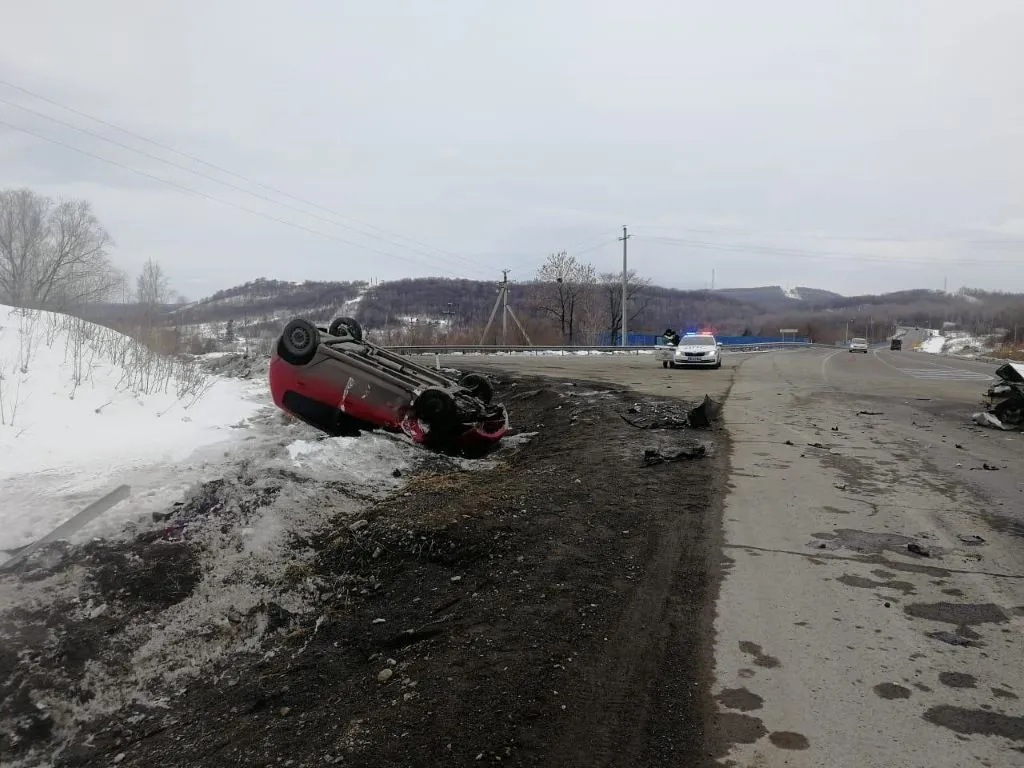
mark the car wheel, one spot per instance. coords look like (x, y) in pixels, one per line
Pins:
(479, 386)
(718, 364)
(299, 342)
(346, 326)
(436, 408)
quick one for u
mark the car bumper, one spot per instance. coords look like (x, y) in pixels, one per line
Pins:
(697, 361)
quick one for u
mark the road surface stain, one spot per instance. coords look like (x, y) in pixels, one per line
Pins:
(761, 659)
(788, 740)
(891, 691)
(976, 721)
(957, 680)
(961, 614)
(851, 580)
(740, 729)
(741, 699)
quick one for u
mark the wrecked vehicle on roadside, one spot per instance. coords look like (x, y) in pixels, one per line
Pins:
(338, 382)
(1006, 396)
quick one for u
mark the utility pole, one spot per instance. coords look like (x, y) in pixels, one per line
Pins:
(449, 312)
(712, 278)
(504, 311)
(625, 279)
(502, 301)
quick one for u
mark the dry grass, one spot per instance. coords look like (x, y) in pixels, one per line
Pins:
(1008, 352)
(437, 482)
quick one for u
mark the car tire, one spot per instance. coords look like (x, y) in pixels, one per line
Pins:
(437, 409)
(346, 326)
(479, 386)
(299, 342)
(718, 364)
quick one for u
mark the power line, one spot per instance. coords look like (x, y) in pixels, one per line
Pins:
(797, 253)
(190, 190)
(246, 179)
(845, 238)
(571, 251)
(236, 187)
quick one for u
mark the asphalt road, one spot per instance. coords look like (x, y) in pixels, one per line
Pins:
(835, 644)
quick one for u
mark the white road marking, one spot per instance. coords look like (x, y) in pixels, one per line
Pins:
(946, 374)
(937, 372)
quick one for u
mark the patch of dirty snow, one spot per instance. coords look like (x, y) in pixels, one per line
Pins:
(84, 409)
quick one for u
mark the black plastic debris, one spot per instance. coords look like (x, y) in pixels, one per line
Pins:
(655, 456)
(917, 549)
(705, 413)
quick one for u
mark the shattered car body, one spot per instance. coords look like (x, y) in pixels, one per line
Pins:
(1006, 396)
(342, 384)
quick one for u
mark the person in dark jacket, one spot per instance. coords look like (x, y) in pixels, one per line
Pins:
(671, 337)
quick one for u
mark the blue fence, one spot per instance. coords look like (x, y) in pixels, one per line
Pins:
(655, 339)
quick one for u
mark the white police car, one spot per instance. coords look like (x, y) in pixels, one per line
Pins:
(700, 350)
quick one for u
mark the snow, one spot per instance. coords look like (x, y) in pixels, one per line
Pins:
(792, 293)
(84, 409)
(934, 343)
(957, 343)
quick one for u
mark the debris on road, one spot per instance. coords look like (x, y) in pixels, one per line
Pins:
(917, 549)
(984, 419)
(654, 456)
(705, 413)
(973, 539)
(1005, 408)
(869, 413)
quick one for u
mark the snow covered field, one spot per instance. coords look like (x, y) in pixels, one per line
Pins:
(84, 409)
(958, 343)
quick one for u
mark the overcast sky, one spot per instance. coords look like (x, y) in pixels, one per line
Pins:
(858, 147)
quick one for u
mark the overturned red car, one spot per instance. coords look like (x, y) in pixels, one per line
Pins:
(337, 381)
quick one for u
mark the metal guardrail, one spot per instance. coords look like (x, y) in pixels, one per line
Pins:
(445, 349)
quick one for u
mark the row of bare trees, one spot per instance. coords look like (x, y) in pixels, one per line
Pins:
(54, 254)
(583, 303)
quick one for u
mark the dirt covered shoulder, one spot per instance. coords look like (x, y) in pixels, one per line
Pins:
(553, 608)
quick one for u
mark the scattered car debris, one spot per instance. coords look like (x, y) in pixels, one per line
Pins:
(952, 638)
(984, 419)
(705, 413)
(972, 539)
(1005, 407)
(917, 549)
(869, 413)
(654, 456)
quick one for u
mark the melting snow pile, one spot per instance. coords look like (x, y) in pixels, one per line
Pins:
(957, 343)
(84, 409)
(934, 343)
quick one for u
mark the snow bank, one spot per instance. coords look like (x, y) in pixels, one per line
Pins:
(84, 409)
(958, 343)
(934, 343)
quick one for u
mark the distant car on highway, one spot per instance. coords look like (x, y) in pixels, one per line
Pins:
(896, 344)
(859, 345)
(700, 350)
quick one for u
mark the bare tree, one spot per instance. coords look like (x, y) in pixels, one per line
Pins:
(52, 253)
(637, 296)
(564, 285)
(152, 291)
